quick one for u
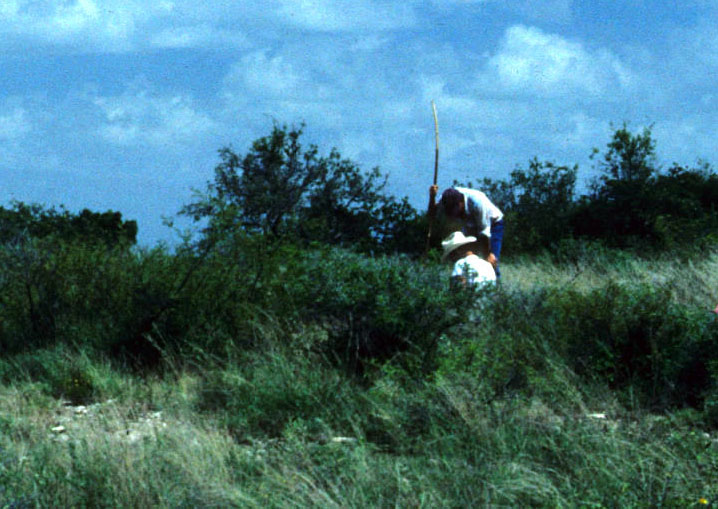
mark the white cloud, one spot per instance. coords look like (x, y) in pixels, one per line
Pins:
(86, 25)
(198, 36)
(9, 8)
(552, 11)
(76, 17)
(469, 112)
(125, 25)
(347, 15)
(138, 117)
(534, 62)
(14, 124)
(266, 76)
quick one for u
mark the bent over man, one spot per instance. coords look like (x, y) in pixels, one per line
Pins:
(479, 217)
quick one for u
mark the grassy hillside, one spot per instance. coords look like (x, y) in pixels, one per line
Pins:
(324, 378)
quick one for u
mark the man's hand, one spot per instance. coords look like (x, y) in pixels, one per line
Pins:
(433, 190)
(492, 260)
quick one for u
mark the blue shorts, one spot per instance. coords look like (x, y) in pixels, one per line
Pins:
(497, 236)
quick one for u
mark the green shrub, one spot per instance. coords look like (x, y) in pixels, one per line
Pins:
(638, 337)
(635, 339)
(372, 308)
(70, 292)
(631, 337)
(357, 308)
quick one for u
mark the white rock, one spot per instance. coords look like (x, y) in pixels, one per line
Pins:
(344, 440)
(597, 416)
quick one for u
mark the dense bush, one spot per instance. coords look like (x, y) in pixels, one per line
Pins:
(370, 307)
(634, 339)
(141, 306)
(538, 204)
(637, 337)
(137, 304)
(359, 308)
(88, 295)
(37, 221)
(632, 204)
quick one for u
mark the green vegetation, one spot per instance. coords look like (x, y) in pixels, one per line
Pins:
(633, 204)
(22, 221)
(285, 191)
(263, 365)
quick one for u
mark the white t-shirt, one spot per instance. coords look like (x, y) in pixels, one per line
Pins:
(480, 210)
(476, 271)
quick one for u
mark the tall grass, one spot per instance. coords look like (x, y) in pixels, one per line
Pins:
(692, 281)
(425, 444)
(540, 397)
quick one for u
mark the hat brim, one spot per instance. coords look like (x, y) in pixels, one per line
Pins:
(469, 240)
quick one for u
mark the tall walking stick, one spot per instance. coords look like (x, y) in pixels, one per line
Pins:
(436, 171)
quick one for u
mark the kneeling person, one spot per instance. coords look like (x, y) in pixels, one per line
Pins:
(469, 269)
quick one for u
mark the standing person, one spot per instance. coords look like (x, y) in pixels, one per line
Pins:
(478, 215)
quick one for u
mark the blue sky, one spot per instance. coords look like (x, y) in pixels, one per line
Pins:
(123, 104)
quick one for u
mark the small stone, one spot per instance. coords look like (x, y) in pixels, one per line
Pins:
(597, 416)
(344, 440)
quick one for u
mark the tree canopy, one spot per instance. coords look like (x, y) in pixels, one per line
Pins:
(537, 203)
(284, 190)
(38, 221)
(631, 204)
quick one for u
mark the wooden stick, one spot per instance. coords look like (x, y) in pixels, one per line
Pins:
(436, 172)
(436, 135)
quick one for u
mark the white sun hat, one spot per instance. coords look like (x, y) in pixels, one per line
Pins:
(453, 241)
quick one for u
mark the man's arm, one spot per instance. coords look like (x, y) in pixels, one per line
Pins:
(485, 246)
(433, 190)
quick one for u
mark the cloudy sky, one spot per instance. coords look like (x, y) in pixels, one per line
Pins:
(123, 104)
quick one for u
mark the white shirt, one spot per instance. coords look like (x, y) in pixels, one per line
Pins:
(474, 270)
(480, 210)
